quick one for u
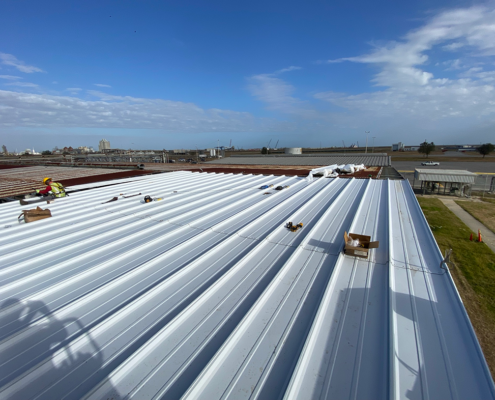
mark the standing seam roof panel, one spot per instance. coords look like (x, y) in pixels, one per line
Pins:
(205, 294)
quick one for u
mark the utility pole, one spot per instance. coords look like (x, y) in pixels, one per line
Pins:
(367, 133)
(373, 150)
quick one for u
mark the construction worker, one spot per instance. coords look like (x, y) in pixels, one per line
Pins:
(54, 189)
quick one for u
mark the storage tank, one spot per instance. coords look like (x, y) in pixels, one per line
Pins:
(293, 150)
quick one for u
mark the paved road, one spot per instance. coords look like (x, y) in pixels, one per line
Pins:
(474, 166)
(472, 223)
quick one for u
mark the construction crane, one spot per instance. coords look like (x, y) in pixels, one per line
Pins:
(276, 146)
(268, 147)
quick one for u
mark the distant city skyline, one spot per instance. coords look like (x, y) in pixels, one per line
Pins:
(192, 74)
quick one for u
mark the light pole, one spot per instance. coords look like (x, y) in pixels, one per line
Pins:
(373, 150)
(367, 133)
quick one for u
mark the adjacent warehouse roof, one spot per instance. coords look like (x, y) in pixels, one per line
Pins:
(16, 180)
(370, 159)
(444, 175)
(206, 295)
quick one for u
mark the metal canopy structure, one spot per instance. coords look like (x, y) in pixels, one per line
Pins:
(444, 175)
(206, 295)
(457, 181)
(369, 159)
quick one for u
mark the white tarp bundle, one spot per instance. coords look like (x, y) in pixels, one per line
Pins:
(351, 168)
(332, 171)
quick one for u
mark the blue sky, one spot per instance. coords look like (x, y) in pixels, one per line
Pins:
(152, 74)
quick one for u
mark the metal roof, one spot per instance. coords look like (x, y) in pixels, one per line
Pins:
(206, 295)
(22, 180)
(444, 175)
(371, 159)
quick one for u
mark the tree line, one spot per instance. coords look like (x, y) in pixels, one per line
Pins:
(426, 148)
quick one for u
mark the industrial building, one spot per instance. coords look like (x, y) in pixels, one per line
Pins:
(103, 145)
(398, 146)
(205, 294)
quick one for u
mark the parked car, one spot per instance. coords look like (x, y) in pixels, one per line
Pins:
(430, 163)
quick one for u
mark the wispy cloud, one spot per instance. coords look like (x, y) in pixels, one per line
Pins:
(338, 60)
(10, 77)
(277, 94)
(400, 60)
(273, 91)
(73, 90)
(453, 46)
(288, 69)
(10, 60)
(102, 85)
(414, 92)
(22, 84)
(107, 111)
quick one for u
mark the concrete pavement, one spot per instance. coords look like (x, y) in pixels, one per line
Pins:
(472, 223)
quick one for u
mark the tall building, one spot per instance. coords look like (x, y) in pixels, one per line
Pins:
(104, 145)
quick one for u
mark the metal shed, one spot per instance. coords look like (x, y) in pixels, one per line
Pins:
(457, 182)
(207, 295)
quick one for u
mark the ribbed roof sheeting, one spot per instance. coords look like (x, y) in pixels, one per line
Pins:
(371, 160)
(205, 295)
(22, 180)
(444, 175)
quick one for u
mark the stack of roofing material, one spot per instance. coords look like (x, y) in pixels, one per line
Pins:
(332, 171)
(206, 295)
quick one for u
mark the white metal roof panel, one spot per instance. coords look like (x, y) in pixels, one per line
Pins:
(207, 295)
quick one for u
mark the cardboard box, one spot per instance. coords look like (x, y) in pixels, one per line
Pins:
(35, 215)
(365, 244)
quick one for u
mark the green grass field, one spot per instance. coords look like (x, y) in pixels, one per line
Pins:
(473, 271)
(483, 211)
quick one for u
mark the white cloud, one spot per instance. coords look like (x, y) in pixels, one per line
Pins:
(288, 69)
(102, 85)
(107, 111)
(277, 94)
(453, 64)
(411, 91)
(22, 84)
(10, 77)
(273, 91)
(453, 46)
(10, 60)
(337, 61)
(74, 90)
(400, 60)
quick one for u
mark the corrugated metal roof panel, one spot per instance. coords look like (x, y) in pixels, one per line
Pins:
(372, 160)
(444, 175)
(207, 295)
(15, 181)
